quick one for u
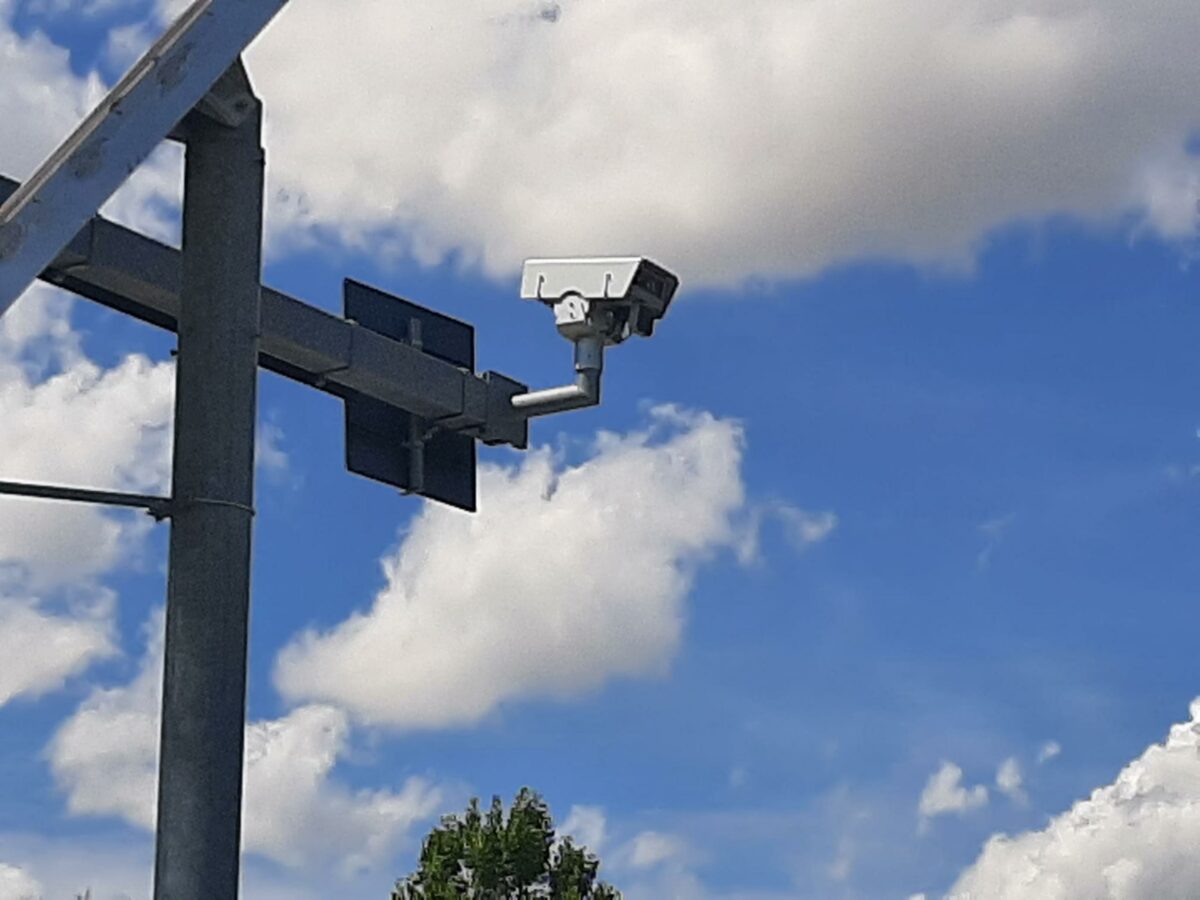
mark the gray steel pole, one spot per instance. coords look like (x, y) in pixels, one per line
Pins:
(208, 588)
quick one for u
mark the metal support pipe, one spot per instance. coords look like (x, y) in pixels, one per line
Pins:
(585, 392)
(208, 587)
(159, 507)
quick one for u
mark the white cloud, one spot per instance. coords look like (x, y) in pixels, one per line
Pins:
(1010, 781)
(71, 867)
(801, 528)
(91, 8)
(64, 419)
(104, 759)
(118, 866)
(296, 815)
(105, 755)
(1135, 839)
(568, 576)
(126, 43)
(843, 863)
(17, 884)
(151, 199)
(993, 531)
(170, 9)
(804, 528)
(773, 138)
(654, 865)
(587, 825)
(269, 455)
(729, 141)
(652, 848)
(42, 100)
(945, 793)
(41, 649)
(1049, 751)
(1171, 188)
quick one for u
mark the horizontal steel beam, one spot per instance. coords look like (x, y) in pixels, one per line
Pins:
(133, 274)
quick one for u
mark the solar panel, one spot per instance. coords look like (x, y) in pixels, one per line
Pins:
(377, 435)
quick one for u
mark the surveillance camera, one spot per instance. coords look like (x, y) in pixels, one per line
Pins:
(610, 298)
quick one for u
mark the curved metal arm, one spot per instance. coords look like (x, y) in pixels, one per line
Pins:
(589, 365)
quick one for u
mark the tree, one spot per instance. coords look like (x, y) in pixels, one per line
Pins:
(489, 856)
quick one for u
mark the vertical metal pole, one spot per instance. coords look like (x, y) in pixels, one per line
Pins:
(208, 589)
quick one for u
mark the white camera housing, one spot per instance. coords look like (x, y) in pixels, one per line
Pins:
(608, 297)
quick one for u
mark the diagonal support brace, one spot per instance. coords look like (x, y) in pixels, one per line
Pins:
(142, 109)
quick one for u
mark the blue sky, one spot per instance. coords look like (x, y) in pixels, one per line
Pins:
(901, 495)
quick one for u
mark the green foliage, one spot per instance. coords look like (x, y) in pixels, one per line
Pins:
(489, 856)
